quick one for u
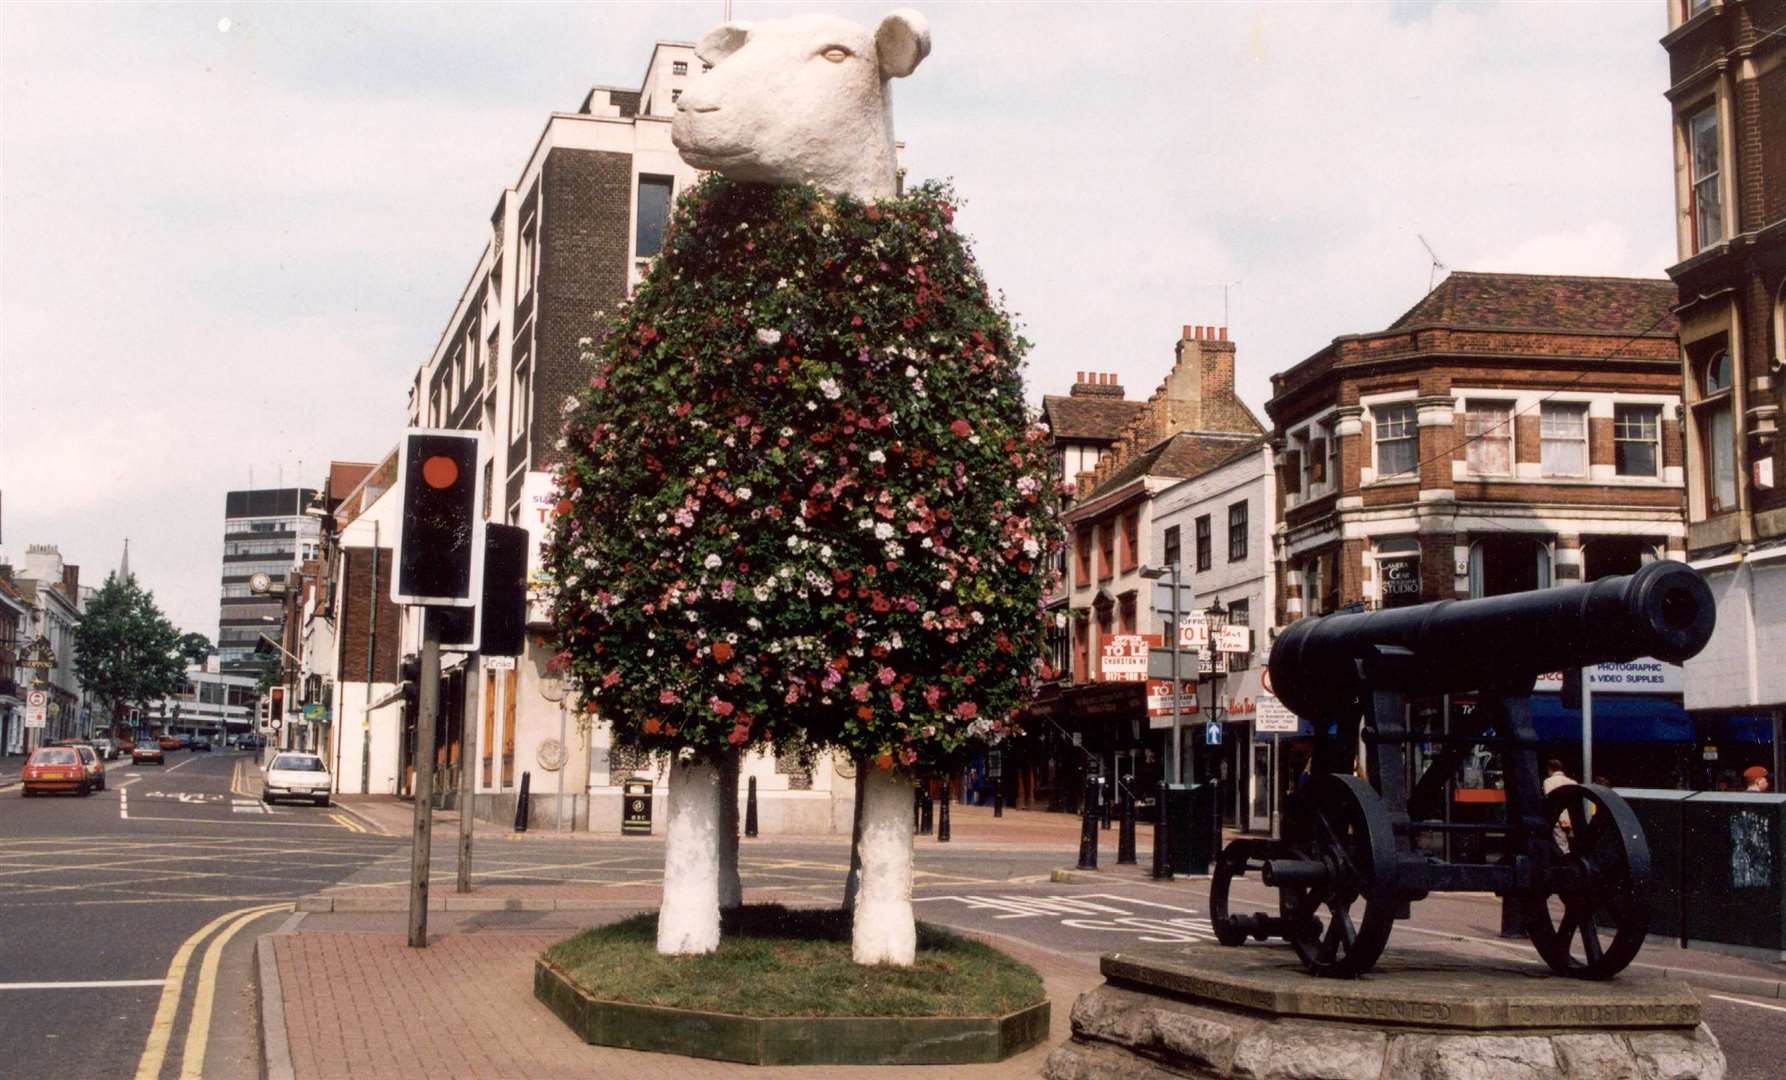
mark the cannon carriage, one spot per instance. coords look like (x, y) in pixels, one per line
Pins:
(1349, 863)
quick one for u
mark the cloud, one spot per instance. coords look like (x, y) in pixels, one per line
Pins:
(231, 250)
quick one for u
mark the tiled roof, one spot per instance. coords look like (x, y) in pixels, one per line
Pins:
(1187, 454)
(1088, 418)
(1547, 302)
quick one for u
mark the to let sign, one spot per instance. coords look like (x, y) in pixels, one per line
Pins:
(1193, 631)
(1125, 659)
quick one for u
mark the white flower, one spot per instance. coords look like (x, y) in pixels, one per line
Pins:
(877, 456)
(812, 406)
(769, 336)
(761, 593)
(883, 531)
(1030, 547)
(743, 494)
(569, 406)
(830, 389)
(711, 562)
(754, 623)
(911, 372)
(865, 524)
(893, 549)
(825, 552)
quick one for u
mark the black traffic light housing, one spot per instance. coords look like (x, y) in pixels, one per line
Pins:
(440, 534)
(498, 625)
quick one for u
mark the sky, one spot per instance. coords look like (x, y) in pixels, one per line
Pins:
(230, 233)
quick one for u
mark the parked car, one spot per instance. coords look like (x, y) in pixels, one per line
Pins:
(297, 775)
(168, 742)
(200, 742)
(55, 768)
(147, 753)
(95, 767)
(126, 746)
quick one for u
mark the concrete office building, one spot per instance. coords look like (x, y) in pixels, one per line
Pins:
(265, 531)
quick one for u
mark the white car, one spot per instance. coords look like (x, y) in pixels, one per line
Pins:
(296, 775)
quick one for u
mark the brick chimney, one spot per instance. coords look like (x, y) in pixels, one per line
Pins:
(1096, 384)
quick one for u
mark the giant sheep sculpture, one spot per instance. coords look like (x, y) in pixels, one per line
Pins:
(792, 101)
(800, 100)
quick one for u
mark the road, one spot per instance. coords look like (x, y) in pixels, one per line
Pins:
(127, 918)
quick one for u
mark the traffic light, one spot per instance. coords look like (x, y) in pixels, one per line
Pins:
(409, 674)
(440, 533)
(498, 625)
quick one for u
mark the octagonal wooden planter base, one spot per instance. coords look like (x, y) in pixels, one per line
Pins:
(789, 1040)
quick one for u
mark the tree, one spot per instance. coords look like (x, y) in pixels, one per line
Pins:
(126, 652)
(802, 499)
(269, 671)
(195, 648)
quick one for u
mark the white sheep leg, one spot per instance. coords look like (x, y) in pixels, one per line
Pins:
(731, 887)
(688, 922)
(884, 929)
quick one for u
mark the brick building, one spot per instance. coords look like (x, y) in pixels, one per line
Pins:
(1727, 92)
(1191, 423)
(1509, 432)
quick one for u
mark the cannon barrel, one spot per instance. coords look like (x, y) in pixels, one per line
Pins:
(1664, 610)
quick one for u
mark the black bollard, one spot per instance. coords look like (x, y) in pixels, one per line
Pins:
(1162, 847)
(1513, 921)
(750, 809)
(1104, 798)
(998, 798)
(917, 807)
(1125, 838)
(1088, 828)
(926, 822)
(942, 818)
(521, 803)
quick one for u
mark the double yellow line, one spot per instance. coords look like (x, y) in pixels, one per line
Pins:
(198, 1025)
(347, 822)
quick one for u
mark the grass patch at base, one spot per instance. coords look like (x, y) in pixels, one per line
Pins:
(776, 961)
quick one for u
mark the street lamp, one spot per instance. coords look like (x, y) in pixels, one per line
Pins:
(1155, 573)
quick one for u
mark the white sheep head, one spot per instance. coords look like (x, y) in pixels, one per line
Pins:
(800, 100)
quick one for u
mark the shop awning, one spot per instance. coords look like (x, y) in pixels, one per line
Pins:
(1630, 718)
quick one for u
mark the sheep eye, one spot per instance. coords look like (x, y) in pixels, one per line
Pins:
(837, 54)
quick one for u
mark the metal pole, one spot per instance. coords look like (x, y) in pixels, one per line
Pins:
(1175, 767)
(1125, 838)
(564, 760)
(467, 792)
(428, 707)
(942, 816)
(750, 809)
(1088, 828)
(1587, 729)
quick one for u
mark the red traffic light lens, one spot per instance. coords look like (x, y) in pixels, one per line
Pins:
(440, 471)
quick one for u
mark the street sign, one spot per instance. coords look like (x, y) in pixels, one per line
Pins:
(37, 705)
(1125, 658)
(1234, 639)
(1270, 717)
(499, 663)
(1162, 598)
(1212, 734)
(1193, 631)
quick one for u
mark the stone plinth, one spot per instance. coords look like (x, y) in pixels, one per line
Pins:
(1207, 1011)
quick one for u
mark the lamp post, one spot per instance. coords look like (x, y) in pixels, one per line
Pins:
(1174, 768)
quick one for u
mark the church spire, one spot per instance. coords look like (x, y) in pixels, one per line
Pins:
(124, 563)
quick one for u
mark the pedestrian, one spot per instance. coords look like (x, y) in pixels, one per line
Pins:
(1757, 777)
(1559, 831)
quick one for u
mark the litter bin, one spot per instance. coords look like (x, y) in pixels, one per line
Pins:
(1191, 815)
(1733, 873)
(635, 808)
(1661, 812)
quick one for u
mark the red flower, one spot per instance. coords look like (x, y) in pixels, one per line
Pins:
(721, 651)
(961, 428)
(721, 707)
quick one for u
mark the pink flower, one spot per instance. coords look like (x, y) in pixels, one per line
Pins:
(898, 702)
(961, 428)
(727, 588)
(932, 695)
(612, 678)
(886, 675)
(907, 755)
(967, 710)
(668, 697)
(720, 707)
(740, 735)
(859, 691)
(793, 695)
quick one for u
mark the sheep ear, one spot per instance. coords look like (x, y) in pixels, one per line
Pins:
(722, 41)
(902, 41)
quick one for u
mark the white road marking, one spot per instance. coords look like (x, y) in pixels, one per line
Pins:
(91, 984)
(124, 804)
(1746, 1001)
(1081, 913)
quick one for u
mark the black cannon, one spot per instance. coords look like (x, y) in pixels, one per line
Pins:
(1575, 861)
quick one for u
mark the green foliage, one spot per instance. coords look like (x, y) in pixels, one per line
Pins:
(195, 647)
(773, 961)
(126, 652)
(802, 496)
(270, 670)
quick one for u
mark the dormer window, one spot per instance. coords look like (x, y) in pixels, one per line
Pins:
(679, 67)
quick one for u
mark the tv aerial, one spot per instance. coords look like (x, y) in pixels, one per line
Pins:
(1432, 276)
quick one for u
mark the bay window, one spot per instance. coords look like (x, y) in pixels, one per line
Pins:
(1716, 415)
(1707, 204)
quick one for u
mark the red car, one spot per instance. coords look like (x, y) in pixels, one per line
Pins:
(56, 768)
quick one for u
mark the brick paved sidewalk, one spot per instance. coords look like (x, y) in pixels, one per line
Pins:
(357, 1005)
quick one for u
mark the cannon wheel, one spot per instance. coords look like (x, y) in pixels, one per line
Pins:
(1233, 862)
(1608, 867)
(1341, 824)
